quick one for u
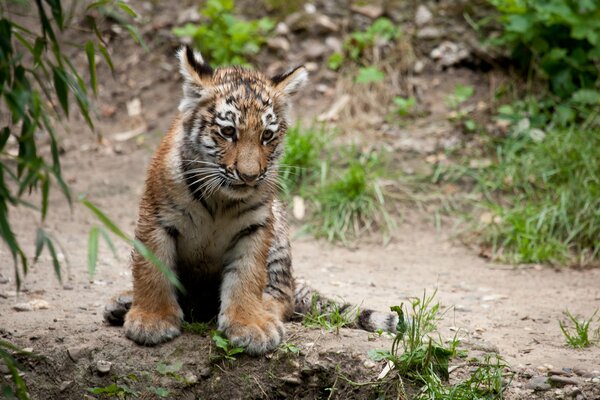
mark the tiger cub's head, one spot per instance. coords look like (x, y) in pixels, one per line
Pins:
(234, 121)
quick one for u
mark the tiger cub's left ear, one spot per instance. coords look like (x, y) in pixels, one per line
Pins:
(291, 81)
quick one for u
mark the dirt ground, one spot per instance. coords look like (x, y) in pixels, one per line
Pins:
(513, 311)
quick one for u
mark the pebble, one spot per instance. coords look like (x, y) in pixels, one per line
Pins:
(422, 16)
(334, 44)
(190, 378)
(429, 32)
(78, 352)
(372, 11)
(279, 43)
(292, 379)
(103, 367)
(32, 305)
(538, 383)
(369, 364)
(560, 381)
(204, 372)
(65, 385)
(449, 53)
(418, 67)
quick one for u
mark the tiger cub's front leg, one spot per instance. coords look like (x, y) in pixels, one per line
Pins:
(247, 316)
(155, 315)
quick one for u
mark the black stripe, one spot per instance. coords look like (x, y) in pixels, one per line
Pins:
(250, 208)
(171, 230)
(364, 320)
(243, 233)
(389, 322)
(285, 261)
(280, 293)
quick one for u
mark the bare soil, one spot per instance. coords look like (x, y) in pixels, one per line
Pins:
(513, 311)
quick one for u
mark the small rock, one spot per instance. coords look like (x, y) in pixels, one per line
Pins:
(64, 385)
(314, 49)
(189, 14)
(32, 305)
(324, 24)
(204, 372)
(561, 372)
(334, 44)
(596, 379)
(279, 43)
(582, 372)
(560, 381)
(418, 67)
(282, 29)
(429, 32)
(190, 378)
(3, 279)
(78, 352)
(369, 364)
(299, 209)
(423, 16)
(449, 53)
(302, 21)
(372, 11)
(538, 383)
(292, 379)
(103, 367)
(134, 107)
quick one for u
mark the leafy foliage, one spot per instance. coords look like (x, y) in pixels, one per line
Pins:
(328, 315)
(382, 30)
(37, 83)
(228, 350)
(114, 390)
(560, 39)
(224, 38)
(404, 105)
(369, 75)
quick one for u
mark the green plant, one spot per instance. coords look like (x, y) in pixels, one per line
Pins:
(485, 382)
(300, 162)
(196, 328)
(114, 390)
(404, 105)
(461, 94)
(579, 336)
(289, 348)
(19, 387)
(228, 350)
(329, 315)
(352, 202)
(160, 391)
(37, 81)
(558, 40)
(224, 38)
(369, 75)
(382, 30)
(415, 353)
(171, 370)
(541, 189)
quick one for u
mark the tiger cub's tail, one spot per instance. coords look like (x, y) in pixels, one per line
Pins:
(309, 302)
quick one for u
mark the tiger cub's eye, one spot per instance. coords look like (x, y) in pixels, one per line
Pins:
(228, 132)
(267, 135)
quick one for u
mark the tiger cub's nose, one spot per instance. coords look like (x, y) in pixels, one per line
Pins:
(249, 178)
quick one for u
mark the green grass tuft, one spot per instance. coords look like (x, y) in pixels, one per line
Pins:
(352, 202)
(329, 316)
(579, 336)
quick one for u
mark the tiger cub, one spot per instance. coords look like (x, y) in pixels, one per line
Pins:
(210, 212)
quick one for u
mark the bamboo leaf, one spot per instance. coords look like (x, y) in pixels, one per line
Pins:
(127, 9)
(91, 56)
(109, 242)
(61, 88)
(40, 240)
(92, 251)
(45, 191)
(107, 58)
(105, 220)
(55, 262)
(166, 271)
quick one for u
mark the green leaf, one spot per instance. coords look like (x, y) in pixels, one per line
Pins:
(105, 220)
(109, 242)
(369, 75)
(379, 355)
(91, 56)
(40, 240)
(45, 193)
(56, 9)
(61, 88)
(55, 262)
(586, 96)
(166, 271)
(92, 251)
(127, 9)
(106, 56)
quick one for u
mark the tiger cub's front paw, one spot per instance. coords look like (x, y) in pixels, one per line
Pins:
(149, 328)
(258, 335)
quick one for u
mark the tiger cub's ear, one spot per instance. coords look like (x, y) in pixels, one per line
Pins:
(197, 77)
(291, 81)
